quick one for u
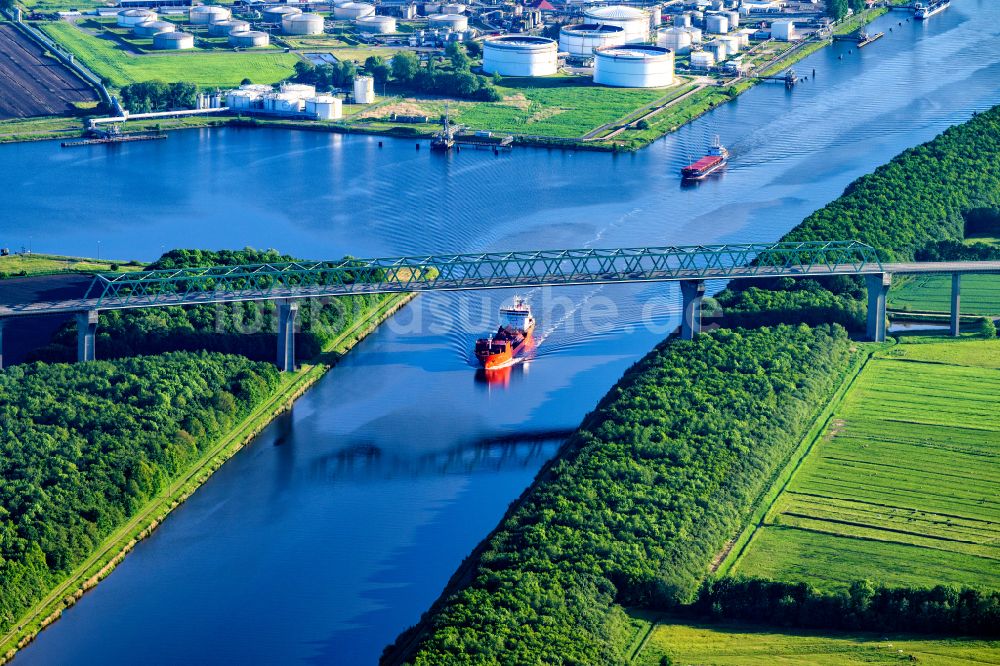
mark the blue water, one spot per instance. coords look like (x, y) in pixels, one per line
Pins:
(343, 521)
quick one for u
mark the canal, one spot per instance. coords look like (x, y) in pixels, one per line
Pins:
(342, 522)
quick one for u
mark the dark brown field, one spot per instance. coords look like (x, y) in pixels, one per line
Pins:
(32, 84)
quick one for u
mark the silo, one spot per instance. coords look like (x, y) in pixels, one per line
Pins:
(173, 41)
(349, 11)
(275, 14)
(677, 40)
(130, 17)
(151, 28)
(383, 25)
(325, 107)
(702, 59)
(634, 21)
(520, 55)
(208, 14)
(453, 8)
(364, 90)
(581, 39)
(634, 66)
(302, 24)
(225, 28)
(249, 40)
(717, 23)
(456, 22)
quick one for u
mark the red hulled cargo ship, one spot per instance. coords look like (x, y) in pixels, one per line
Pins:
(716, 159)
(513, 335)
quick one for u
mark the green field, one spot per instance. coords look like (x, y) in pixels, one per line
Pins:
(40, 264)
(932, 293)
(737, 644)
(106, 58)
(902, 489)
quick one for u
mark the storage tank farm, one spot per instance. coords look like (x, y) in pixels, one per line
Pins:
(634, 21)
(520, 55)
(634, 66)
(580, 39)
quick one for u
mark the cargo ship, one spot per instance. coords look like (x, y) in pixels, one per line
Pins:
(926, 11)
(716, 159)
(511, 338)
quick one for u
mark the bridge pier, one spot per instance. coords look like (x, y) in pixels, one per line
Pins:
(86, 336)
(288, 312)
(878, 288)
(692, 293)
(956, 297)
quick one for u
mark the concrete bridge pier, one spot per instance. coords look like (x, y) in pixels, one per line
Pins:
(878, 288)
(86, 336)
(692, 294)
(288, 312)
(956, 296)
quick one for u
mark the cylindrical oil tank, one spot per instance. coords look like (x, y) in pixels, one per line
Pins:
(702, 59)
(325, 107)
(151, 28)
(432, 8)
(634, 21)
(457, 22)
(634, 66)
(717, 23)
(364, 90)
(249, 40)
(655, 16)
(732, 43)
(173, 41)
(520, 55)
(718, 49)
(682, 20)
(783, 30)
(581, 39)
(303, 90)
(696, 35)
(349, 11)
(302, 24)
(130, 17)
(382, 25)
(677, 40)
(208, 14)
(734, 18)
(225, 28)
(275, 14)
(453, 8)
(744, 36)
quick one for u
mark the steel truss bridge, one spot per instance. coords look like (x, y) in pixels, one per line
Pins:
(291, 281)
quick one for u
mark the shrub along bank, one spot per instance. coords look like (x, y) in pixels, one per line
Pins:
(639, 500)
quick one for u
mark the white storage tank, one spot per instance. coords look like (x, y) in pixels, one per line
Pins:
(453, 8)
(744, 36)
(208, 14)
(349, 11)
(244, 100)
(718, 50)
(275, 14)
(173, 41)
(634, 66)
(303, 90)
(364, 90)
(717, 23)
(456, 22)
(226, 28)
(520, 55)
(682, 20)
(696, 35)
(634, 21)
(130, 17)
(732, 43)
(250, 40)
(302, 24)
(382, 25)
(702, 59)
(582, 38)
(734, 19)
(783, 30)
(151, 28)
(431, 8)
(282, 102)
(677, 40)
(655, 17)
(325, 107)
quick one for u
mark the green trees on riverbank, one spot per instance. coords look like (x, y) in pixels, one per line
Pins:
(83, 447)
(640, 499)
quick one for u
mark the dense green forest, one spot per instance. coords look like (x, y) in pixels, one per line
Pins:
(84, 446)
(639, 500)
(919, 205)
(234, 328)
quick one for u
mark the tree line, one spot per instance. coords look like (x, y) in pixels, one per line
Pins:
(150, 96)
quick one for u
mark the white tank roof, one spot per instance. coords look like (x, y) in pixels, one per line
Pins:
(634, 52)
(591, 29)
(616, 13)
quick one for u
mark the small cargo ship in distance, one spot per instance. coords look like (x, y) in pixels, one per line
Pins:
(716, 159)
(511, 338)
(926, 11)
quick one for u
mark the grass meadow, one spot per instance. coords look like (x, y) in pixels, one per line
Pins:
(903, 487)
(932, 293)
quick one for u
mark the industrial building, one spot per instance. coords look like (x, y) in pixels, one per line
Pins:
(350, 11)
(226, 28)
(173, 41)
(634, 66)
(381, 25)
(634, 22)
(364, 90)
(128, 18)
(152, 28)
(208, 14)
(520, 55)
(249, 40)
(580, 40)
(302, 24)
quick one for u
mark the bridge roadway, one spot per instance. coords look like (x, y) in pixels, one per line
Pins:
(878, 277)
